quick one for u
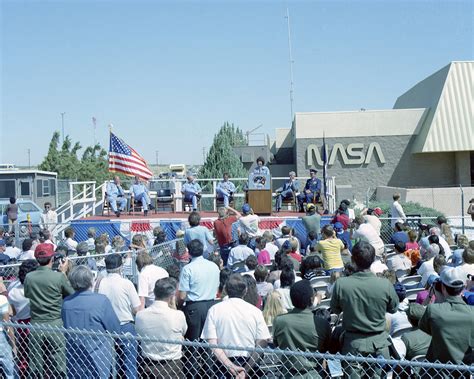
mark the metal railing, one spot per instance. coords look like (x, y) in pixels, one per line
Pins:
(99, 354)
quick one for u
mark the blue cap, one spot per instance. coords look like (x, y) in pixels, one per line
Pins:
(400, 290)
(246, 208)
(432, 279)
(2, 242)
(338, 225)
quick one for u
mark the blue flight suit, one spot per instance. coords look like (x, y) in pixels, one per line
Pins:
(190, 192)
(116, 195)
(225, 190)
(289, 188)
(140, 193)
(314, 185)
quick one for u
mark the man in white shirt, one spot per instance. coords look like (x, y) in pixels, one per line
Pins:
(162, 322)
(241, 252)
(125, 301)
(396, 210)
(49, 218)
(11, 250)
(371, 216)
(248, 223)
(70, 243)
(45, 236)
(435, 231)
(237, 323)
(367, 233)
(27, 250)
(399, 263)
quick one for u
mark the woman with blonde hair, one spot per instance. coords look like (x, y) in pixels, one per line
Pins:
(147, 277)
(272, 308)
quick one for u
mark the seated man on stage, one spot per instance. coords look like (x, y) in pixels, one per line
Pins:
(225, 189)
(191, 191)
(116, 195)
(261, 168)
(140, 193)
(289, 189)
(312, 188)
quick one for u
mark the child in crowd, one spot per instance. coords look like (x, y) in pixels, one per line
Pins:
(263, 287)
(331, 248)
(263, 255)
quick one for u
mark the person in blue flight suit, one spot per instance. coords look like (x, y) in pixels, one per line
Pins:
(191, 191)
(225, 189)
(260, 168)
(140, 193)
(289, 189)
(116, 195)
(312, 187)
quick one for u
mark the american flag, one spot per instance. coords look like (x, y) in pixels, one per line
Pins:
(123, 159)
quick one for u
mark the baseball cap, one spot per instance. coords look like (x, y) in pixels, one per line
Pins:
(44, 250)
(378, 211)
(309, 206)
(400, 290)
(313, 170)
(246, 208)
(453, 277)
(338, 225)
(432, 279)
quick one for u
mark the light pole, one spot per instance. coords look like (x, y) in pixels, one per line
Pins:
(29, 158)
(62, 123)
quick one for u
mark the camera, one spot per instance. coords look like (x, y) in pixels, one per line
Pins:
(58, 258)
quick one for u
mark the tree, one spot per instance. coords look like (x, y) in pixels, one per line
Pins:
(221, 157)
(92, 166)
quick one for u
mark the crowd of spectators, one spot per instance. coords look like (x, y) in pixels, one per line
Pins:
(264, 289)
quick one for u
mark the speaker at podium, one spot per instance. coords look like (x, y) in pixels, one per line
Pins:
(259, 194)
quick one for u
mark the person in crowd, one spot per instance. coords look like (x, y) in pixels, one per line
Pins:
(12, 215)
(364, 299)
(249, 221)
(198, 285)
(341, 216)
(70, 243)
(225, 189)
(263, 254)
(361, 230)
(140, 193)
(311, 241)
(371, 216)
(330, 249)
(88, 357)
(286, 235)
(398, 321)
(287, 279)
(462, 242)
(91, 236)
(125, 301)
(82, 251)
(115, 195)
(224, 325)
(215, 257)
(400, 235)
(199, 232)
(288, 191)
(2, 234)
(147, 276)
(447, 322)
(11, 250)
(399, 262)
(312, 267)
(468, 259)
(270, 246)
(396, 211)
(46, 289)
(435, 237)
(4, 259)
(251, 295)
(446, 232)
(260, 168)
(287, 250)
(470, 209)
(412, 238)
(251, 263)
(161, 321)
(263, 287)
(49, 218)
(46, 237)
(427, 268)
(415, 342)
(428, 294)
(300, 329)
(191, 191)
(7, 341)
(311, 192)
(224, 276)
(312, 220)
(160, 238)
(295, 252)
(241, 251)
(105, 239)
(272, 308)
(118, 244)
(227, 216)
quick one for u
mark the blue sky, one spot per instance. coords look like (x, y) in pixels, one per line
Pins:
(168, 74)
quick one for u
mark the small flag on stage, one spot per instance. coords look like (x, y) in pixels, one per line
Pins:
(325, 168)
(123, 159)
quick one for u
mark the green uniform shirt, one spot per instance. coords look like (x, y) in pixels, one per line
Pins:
(416, 343)
(312, 223)
(301, 330)
(46, 289)
(364, 298)
(451, 326)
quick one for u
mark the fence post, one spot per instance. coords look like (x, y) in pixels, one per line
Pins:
(462, 209)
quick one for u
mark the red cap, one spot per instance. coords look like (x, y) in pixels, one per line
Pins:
(44, 250)
(378, 211)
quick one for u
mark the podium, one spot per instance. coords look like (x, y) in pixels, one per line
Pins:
(259, 194)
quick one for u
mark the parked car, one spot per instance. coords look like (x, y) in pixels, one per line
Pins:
(25, 207)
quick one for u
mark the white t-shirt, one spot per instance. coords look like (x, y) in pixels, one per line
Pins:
(238, 254)
(468, 268)
(425, 270)
(235, 322)
(122, 294)
(13, 252)
(369, 234)
(249, 225)
(446, 248)
(377, 267)
(272, 250)
(24, 255)
(285, 298)
(17, 299)
(374, 221)
(71, 244)
(398, 215)
(146, 282)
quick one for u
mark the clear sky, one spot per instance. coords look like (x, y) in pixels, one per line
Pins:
(168, 74)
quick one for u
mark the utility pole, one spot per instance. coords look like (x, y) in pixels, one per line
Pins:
(29, 158)
(291, 62)
(203, 155)
(157, 161)
(62, 123)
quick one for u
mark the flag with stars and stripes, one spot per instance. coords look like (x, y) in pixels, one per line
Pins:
(125, 160)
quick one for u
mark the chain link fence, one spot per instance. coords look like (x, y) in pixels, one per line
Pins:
(45, 351)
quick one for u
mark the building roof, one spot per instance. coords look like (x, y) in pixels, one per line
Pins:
(25, 171)
(449, 95)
